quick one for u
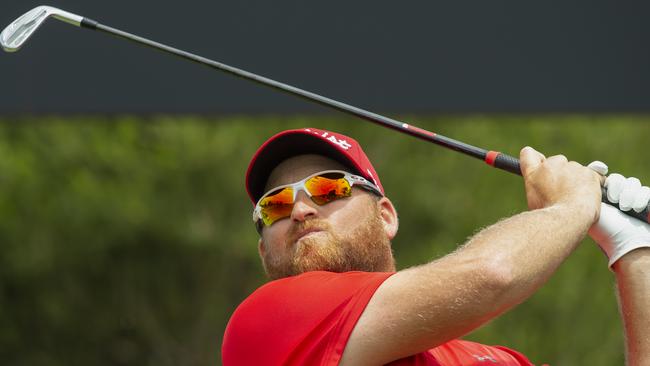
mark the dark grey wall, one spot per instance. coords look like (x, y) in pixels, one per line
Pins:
(387, 56)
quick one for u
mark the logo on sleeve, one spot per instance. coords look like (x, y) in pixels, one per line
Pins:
(485, 358)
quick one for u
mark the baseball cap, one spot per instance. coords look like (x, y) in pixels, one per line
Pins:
(286, 144)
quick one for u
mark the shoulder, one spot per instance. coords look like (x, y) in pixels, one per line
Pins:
(316, 288)
(322, 279)
(314, 311)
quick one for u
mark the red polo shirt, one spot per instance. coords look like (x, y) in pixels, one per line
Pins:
(307, 320)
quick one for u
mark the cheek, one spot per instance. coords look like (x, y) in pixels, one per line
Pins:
(275, 235)
(346, 217)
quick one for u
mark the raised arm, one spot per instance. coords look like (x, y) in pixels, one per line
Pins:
(422, 307)
(626, 241)
(633, 283)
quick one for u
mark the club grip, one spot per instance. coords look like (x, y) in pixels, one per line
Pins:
(643, 215)
(511, 164)
(503, 162)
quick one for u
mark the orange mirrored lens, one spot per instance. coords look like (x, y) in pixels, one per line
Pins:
(323, 189)
(277, 206)
(328, 187)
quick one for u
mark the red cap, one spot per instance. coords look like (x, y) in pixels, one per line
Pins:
(290, 143)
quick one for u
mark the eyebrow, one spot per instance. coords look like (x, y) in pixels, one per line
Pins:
(268, 187)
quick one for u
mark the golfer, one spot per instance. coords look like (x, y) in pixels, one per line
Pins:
(335, 297)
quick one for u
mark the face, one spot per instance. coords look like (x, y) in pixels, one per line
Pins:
(348, 234)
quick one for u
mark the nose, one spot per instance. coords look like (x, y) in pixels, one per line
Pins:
(303, 207)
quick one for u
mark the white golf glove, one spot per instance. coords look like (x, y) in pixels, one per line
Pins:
(615, 232)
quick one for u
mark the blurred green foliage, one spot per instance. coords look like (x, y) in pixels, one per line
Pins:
(129, 241)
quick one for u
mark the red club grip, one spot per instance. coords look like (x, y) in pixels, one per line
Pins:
(503, 161)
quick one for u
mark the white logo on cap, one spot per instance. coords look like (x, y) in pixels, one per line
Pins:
(342, 143)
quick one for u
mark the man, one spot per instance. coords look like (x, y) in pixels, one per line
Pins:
(335, 299)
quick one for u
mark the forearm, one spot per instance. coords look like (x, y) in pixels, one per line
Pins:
(633, 282)
(529, 247)
(449, 297)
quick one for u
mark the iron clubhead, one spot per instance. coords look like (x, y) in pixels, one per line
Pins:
(14, 36)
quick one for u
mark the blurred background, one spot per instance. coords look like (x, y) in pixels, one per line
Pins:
(126, 233)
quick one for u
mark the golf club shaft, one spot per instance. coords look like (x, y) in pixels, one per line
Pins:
(493, 158)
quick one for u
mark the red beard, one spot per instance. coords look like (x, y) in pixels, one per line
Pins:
(366, 249)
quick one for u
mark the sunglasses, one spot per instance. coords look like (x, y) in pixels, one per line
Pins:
(322, 187)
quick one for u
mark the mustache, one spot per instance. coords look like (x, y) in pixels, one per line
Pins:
(311, 224)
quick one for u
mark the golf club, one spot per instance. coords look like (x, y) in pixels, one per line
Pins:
(16, 34)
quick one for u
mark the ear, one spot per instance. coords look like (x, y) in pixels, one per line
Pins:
(260, 248)
(388, 215)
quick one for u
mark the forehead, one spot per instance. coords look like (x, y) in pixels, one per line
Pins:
(299, 167)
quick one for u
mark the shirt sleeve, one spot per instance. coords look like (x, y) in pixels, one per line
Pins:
(300, 320)
(466, 353)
